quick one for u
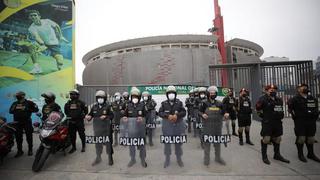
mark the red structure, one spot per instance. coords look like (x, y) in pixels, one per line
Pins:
(219, 32)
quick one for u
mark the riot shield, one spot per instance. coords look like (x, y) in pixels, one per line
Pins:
(132, 131)
(151, 119)
(215, 136)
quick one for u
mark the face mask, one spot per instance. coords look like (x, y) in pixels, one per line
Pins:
(230, 94)
(305, 91)
(100, 100)
(213, 97)
(73, 97)
(135, 100)
(171, 96)
(145, 98)
(202, 96)
(273, 94)
(19, 98)
(117, 98)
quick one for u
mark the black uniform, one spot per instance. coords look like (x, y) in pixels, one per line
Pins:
(230, 105)
(212, 126)
(272, 115)
(305, 112)
(102, 127)
(133, 111)
(22, 114)
(172, 128)
(271, 112)
(150, 107)
(189, 103)
(76, 111)
(244, 111)
(117, 107)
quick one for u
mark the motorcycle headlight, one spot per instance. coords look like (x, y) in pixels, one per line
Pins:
(45, 133)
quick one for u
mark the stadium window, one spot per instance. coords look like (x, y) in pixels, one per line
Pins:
(203, 46)
(175, 46)
(121, 51)
(165, 46)
(137, 49)
(195, 46)
(185, 46)
(128, 50)
(246, 50)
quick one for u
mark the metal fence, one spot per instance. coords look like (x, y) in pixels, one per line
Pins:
(255, 76)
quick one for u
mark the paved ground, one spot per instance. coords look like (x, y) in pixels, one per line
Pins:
(243, 162)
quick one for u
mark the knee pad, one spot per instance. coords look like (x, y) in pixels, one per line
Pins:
(266, 139)
(310, 140)
(276, 140)
(301, 139)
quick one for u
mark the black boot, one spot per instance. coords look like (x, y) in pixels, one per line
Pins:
(132, 162)
(83, 148)
(97, 160)
(179, 161)
(167, 161)
(300, 152)
(277, 155)
(72, 150)
(110, 160)
(19, 153)
(143, 162)
(234, 129)
(311, 154)
(30, 152)
(264, 153)
(248, 138)
(240, 138)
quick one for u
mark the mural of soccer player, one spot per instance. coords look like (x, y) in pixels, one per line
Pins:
(48, 34)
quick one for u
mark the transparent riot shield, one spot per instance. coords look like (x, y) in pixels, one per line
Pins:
(132, 131)
(216, 139)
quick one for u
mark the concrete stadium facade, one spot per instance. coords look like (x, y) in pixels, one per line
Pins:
(171, 59)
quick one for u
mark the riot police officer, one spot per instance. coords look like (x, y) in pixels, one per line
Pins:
(305, 112)
(213, 112)
(22, 110)
(270, 109)
(102, 116)
(229, 102)
(150, 106)
(50, 105)
(172, 113)
(116, 108)
(189, 103)
(244, 112)
(76, 110)
(136, 109)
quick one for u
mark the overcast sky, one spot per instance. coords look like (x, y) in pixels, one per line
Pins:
(288, 28)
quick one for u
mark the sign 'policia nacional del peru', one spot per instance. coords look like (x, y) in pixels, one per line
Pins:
(181, 89)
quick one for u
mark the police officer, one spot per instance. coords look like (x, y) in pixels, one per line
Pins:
(305, 112)
(172, 113)
(189, 103)
(50, 105)
(270, 109)
(244, 112)
(213, 111)
(76, 110)
(229, 102)
(116, 108)
(150, 106)
(135, 109)
(199, 101)
(102, 116)
(22, 110)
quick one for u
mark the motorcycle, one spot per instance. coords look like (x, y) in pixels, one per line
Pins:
(7, 131)
(54, 137)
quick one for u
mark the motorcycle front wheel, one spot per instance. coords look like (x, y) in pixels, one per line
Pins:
(40, 158)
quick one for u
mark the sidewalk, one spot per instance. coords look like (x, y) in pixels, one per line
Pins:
(243, 162)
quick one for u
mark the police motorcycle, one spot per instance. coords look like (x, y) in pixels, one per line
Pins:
(54, 137)
(7, 131)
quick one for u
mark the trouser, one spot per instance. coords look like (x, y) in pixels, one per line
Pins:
(178, 149)
(27, 127)
(149, 133)
(99, 147)
(142, 154)
(207, 147)
(73, 128)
